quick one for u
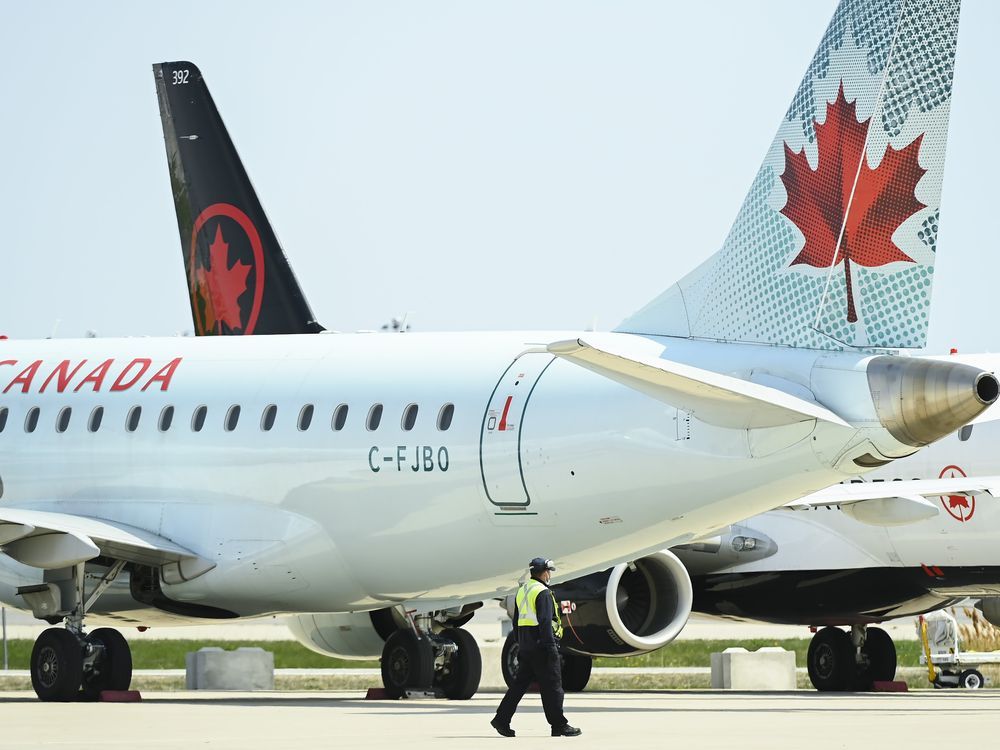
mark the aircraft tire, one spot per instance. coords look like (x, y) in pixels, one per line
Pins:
(57, 665)
(881, 653)
(830, 660)
(576, 672)
(508, 659)
(407, 662)
(971, 679)
(466, 666)
(114, 669)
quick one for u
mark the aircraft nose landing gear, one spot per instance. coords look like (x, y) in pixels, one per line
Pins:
(67, 664)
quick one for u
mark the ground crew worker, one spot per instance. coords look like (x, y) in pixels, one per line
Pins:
(538, 628)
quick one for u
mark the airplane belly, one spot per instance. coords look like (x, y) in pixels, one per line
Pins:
(823, 597)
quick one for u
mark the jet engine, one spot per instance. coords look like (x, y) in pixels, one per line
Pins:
(361, 635)
(630, 609)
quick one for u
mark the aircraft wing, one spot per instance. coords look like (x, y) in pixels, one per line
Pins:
(897, 502)
(48, 540)
(714, 398)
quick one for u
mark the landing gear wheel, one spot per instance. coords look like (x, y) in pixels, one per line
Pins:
(971, 679)
(462, 672)
(112, 669)
(57, 665)
(576, 672)
(881, 653)
(831, 661)
(508, 659)
(407, 662)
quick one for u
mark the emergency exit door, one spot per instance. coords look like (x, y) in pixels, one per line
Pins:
(500, 441)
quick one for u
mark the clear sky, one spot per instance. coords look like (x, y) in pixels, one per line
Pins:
(481, 165)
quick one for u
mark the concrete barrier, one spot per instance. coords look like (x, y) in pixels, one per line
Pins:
(492, 679)
(767, 668)
(216, 669)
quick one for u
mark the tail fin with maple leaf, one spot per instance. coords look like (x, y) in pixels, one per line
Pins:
(835, 243)
(238, 277)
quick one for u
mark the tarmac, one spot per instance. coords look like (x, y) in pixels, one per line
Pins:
(630, 720)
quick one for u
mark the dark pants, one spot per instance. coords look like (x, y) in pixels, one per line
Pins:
(544, 667)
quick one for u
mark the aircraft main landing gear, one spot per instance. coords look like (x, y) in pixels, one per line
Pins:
(839, 661)
(66, 663)
(447, 662)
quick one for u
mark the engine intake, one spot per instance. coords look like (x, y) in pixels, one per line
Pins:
(630, 609)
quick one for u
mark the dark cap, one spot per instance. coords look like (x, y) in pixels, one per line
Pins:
(540, 565)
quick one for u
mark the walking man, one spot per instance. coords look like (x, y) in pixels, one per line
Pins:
(538, 629)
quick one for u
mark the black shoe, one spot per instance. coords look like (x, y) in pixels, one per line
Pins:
(504, 730)
(566, 731)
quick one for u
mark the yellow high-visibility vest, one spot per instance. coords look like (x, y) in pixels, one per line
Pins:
(526, 600)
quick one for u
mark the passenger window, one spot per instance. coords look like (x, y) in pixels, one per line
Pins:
(964, 434)
(232, 418)
(3, 418)
(374, 417)
(198, 418)
(31, 419)
(409, 417)
(339, 417)
(62, 420)
(132, 420)
(445, 415)
(267, 418)
(94, 423)
(305, 417)
(166, 418)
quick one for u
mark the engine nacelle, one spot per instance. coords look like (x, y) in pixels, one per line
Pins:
(631, 609)
(361, 635)
(345, 635)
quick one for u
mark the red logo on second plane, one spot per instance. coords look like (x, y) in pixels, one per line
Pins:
(959, 507)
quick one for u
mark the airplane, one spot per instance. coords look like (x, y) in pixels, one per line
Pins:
(233, 179)
(770, 586)
(826, 567)
(248, 475)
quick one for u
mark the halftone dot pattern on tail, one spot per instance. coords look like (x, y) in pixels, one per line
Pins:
(889, 65)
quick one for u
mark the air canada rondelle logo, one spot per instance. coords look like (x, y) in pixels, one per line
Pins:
(226, 262)
(959, 507)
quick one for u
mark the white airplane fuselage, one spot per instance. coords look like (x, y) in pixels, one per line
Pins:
(965, 532)
(542, 457)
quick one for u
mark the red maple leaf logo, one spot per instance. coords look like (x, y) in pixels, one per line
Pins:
(847, 211)
(220, 286)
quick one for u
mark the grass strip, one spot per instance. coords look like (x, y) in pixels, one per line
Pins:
(169, 654)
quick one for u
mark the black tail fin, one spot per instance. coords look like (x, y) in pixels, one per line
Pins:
(239, 279)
